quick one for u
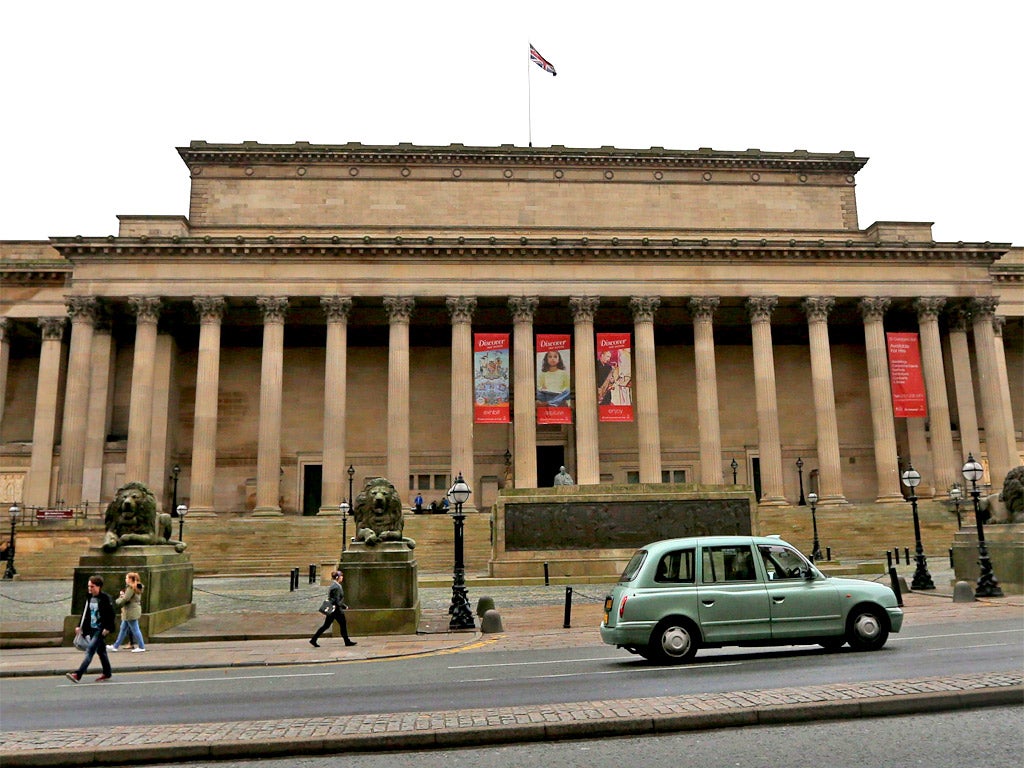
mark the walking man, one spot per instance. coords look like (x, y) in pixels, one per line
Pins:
(97, 622)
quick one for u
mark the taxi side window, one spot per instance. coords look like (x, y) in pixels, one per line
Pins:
(781, 563)
(727, 564)
(676, 567)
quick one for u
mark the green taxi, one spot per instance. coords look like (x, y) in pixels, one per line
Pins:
(679, 595)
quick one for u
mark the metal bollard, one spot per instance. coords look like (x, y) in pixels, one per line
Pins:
(295, 580)
(888, 560)
(828, 554)
(951, 557)
(547, 581)
(906, 555)
(312, 573)
(568, 608)
(895, 580)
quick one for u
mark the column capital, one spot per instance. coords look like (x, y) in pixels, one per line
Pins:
(4, 325)
(82, 309)
(399, 308)
(760, 308)
(52, 328)
(145, 308)
(523, 308)
(337, 308)
(817, 308)
(644, 307)
(960, 319)
(461, 308)
(210, 308)
(998, 321)
(873, 308)
(983, 306)
(703, 307)
(929, 307)
(273, 308)
(583, 308)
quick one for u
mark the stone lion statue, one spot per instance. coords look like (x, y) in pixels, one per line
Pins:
(1007, 506)
(132, 519)
(378, 514)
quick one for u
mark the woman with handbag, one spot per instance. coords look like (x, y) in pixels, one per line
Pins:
(130, 603)
(97, 622)
(333, 609)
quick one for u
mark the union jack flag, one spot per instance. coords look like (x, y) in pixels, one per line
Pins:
(540, 61)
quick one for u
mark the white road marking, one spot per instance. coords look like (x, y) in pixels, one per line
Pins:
(174, 680)
(606, 672)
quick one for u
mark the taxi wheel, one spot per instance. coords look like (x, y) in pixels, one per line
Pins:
(673, 641)
(867, 628)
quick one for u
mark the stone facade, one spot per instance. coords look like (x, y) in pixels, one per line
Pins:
(314, 309)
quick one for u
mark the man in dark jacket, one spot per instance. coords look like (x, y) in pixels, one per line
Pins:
(336, 597)
(97, 622)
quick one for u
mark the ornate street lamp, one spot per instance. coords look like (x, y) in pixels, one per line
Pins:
(812, 497)
(344, 525)
(734, 466)
(461, 614)
(922, 579)
(175, 471)
(11, 571)
(987, 585)
(800, 474)
(182, 511)
(956, 494)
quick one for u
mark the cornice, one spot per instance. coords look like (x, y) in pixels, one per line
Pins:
(35, 272)
(523, 248)
(200, 153)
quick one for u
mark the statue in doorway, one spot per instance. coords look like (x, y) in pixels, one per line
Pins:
(378, 514)
(563, 477)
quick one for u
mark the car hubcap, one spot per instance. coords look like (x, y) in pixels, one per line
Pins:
(867, 626)
(675, 641)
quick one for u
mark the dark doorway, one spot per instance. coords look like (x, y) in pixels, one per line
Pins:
(755, 470)
(549, 459)
(312, 481)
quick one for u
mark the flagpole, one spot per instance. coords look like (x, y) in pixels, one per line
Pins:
(529, 104)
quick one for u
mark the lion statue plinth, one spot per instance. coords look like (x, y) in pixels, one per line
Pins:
(378, 514)
(132, 518)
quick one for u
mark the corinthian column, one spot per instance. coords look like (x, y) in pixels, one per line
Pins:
(204, 432)
(37, 485)
(461, 309)
(703, 310)
(1004, 389)
(966, 408)
(399, 311)
(268, 451)
(101, 373)
(337, 309)
(769, 446)
(944, 463)
(997, 443)
(5, 356)
(829, 471)
(524, 413)
(887, 472)
(140, 414)
(646, 380)
(82, 310)
(588, 460)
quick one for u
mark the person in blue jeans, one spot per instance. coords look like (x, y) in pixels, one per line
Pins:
(130, 603)
(97, 622)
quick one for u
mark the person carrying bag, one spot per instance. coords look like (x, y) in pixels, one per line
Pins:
(333, 609)
(97, 622)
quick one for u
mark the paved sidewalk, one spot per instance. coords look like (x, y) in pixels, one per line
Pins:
(532, 618)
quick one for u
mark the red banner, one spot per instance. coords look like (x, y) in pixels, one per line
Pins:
(614, 377)
(554, 394)
(490, 378)
(908, 398)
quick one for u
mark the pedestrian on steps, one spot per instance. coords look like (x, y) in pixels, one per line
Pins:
(336, 610)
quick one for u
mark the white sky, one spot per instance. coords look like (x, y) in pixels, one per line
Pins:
(96, 96)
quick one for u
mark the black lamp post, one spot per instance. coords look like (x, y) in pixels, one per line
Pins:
(922, 579)
(11, 571)
(734, 466)
(987, 584)
(812, 497)
(956, 494)
(175, 471)
(800, 474)
(461, 614)
(344, 525)
(182, 511)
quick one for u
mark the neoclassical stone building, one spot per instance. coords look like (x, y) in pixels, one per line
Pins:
(317, 310)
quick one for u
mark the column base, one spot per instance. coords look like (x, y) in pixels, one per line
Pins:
(891, 499)
(267, 512)
(194, 512)
(329, 512)
(832, 501)
(773, 501)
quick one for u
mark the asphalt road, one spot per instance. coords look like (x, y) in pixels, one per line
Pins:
(483, 678)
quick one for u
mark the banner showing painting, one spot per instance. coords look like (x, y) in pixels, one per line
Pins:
(554, 394)
(905, 378)
(490, 378)
(614, 377)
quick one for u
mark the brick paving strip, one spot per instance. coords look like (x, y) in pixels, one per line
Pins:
(123, 745)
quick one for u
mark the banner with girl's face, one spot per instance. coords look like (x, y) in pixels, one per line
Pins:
(553, 366)
(491, 378)
(614, 377)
